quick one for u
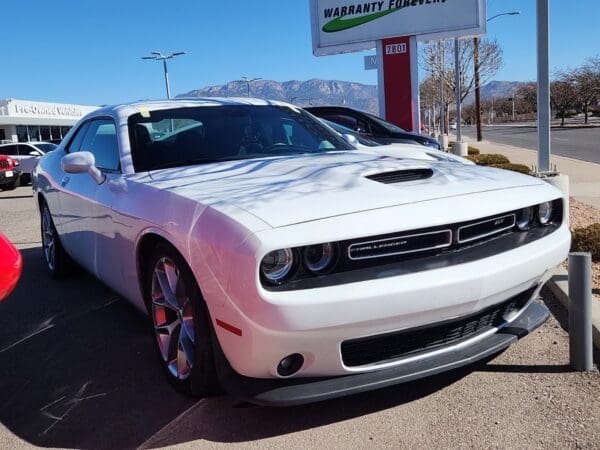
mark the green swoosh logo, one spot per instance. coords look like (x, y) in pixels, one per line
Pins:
(340, 24)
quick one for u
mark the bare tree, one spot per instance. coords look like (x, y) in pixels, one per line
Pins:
(526, 97)
(587, 84)
(441, 54)
(563, 93)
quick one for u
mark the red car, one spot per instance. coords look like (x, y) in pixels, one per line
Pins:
(9, 173)
(11, 264)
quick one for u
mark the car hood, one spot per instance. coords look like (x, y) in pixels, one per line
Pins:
(411, 151)
(293, 189)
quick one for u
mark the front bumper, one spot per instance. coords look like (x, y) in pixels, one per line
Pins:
(296, 391)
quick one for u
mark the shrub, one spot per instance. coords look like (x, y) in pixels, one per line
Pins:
(587, 239)
(487, 159)
(473, 151)
(521, 168)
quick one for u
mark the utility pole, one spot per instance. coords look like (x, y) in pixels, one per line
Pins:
(442, 104)
(477, 89)
(513, 105)
(477, 77)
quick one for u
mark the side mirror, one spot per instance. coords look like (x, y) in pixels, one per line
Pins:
(82, 162)
(350, 139)
(35, 153)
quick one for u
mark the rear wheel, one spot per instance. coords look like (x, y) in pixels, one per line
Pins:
(25, 178)
(59, 263)
(180, 323)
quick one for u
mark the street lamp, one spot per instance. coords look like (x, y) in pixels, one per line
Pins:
(477, 78)
(158, 56)
(248, 81)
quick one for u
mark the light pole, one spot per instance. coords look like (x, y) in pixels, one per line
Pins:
(477, 78)
(543, 86)
(248, 81)
(158, 56)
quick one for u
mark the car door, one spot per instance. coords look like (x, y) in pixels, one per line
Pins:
(85, 204)
(28, 157)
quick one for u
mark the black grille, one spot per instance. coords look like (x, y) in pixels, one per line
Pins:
(486, 228)
(400, 176)
(3, 164)
(372, 349)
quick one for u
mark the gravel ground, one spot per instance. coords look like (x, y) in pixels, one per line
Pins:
(582, 215)
(527, 397)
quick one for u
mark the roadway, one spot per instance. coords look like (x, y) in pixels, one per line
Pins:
(572, 142)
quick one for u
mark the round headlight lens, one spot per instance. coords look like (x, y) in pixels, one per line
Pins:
(545, 211)
(318, 258)
(524, 219)
(277, 265)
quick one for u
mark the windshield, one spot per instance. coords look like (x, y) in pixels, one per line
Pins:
(345, 130)
(45, 147)
(388, 126)
(185, 136)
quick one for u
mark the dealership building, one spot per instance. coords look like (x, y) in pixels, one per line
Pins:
(30, 121)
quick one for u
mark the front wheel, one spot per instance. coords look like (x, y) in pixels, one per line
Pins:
(11, 186)
(180, 323)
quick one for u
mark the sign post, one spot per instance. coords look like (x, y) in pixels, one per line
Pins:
(393, 27)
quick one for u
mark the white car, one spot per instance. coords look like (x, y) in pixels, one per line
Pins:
(277, 260)
(28, 155)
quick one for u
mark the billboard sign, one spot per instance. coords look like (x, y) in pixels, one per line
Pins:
(342, 26)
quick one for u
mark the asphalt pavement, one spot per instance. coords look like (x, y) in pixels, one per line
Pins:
(573, 142)
(79, 371)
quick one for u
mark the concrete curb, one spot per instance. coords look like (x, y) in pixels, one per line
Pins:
(559, 285)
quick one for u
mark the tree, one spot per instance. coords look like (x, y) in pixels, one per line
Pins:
(526, 97)
(563, 93)
(587, 84)
(441, 54)
(438, 60)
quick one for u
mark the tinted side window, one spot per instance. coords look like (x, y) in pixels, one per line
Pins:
(24, 150)
(78, 138)
(101, 140)
(10, 150)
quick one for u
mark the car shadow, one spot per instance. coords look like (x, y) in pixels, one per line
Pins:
(79, 371)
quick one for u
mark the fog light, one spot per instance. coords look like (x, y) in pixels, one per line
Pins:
(290, 365)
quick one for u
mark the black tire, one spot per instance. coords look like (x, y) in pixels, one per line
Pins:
(200, 379)
(25, 179)
(10, 186)
(58, 262)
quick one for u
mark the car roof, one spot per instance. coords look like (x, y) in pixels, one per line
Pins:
(122, 111)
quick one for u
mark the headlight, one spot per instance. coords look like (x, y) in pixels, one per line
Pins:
(545, 211)
(319, 258)
(524, 218)
(277, 265)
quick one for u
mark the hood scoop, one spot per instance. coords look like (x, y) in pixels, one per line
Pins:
(401, 176)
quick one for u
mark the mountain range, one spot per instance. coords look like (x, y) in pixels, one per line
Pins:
(316, 92)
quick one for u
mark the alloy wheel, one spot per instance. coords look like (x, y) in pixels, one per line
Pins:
(173, 318)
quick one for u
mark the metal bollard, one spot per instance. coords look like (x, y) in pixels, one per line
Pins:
(580, 311)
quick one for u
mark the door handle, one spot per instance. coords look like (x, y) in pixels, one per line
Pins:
(64, 181)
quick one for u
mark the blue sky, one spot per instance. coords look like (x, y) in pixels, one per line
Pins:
(89, 52)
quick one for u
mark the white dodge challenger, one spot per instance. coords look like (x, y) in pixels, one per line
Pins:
(285, 265)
